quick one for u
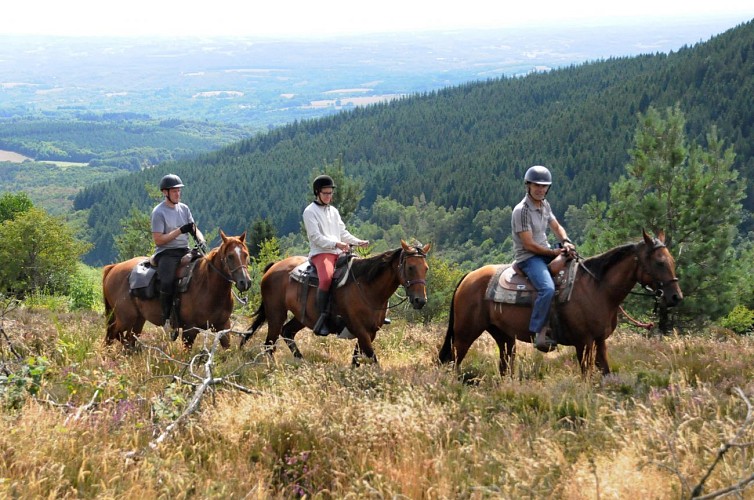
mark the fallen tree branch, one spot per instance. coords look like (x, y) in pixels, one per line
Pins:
(697, 491)
(203, 362)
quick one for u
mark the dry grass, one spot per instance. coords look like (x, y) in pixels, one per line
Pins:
(406, 428)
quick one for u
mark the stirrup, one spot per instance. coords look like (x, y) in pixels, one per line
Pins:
(169, 330)
(320, 327)
(543, 342)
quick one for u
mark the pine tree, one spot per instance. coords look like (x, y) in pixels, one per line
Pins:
(691, 193)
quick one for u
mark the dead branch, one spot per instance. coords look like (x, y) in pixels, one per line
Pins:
(697, 492)
(200, 367)
(7, 306)
(196, 400)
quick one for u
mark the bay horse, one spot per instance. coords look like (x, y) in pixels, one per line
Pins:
(361, 301)
(585, 321)
(206, 304)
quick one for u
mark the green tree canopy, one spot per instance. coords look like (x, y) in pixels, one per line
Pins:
(39, 252)
(690, 192)
(12, 204)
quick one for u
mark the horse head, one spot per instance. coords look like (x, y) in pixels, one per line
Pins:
(233, 259)
(657, 269)
(412, 272)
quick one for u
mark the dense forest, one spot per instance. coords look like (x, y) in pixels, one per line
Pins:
(463, 148)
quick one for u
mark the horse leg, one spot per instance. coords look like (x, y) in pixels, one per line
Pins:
(600, 358)
(585, 354)
(506, 345)
(290, 329)
(188, 337)
(275, 324)
(363, 349)
(128, 335)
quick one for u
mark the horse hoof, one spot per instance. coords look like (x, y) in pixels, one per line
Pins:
(174, 335)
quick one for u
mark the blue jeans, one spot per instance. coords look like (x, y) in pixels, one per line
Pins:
(539, 276)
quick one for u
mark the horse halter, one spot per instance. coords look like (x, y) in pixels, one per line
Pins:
(405, 282)
(656, 286)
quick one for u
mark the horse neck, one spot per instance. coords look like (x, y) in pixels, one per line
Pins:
(620, 278)
(210, 270)
(384, 284)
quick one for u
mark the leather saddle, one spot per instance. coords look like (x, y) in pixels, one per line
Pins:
(306, 274)
(144, 283)
(511, 286)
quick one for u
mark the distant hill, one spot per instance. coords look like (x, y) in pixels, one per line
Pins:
(125, 141)
(463, 146)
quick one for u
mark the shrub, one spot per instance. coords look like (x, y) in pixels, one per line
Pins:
(740, 319)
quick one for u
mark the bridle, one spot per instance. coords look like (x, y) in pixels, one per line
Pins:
(656, 286)
(229, 277)
(405, 282)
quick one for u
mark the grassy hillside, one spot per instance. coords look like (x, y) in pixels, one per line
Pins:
(84, 421)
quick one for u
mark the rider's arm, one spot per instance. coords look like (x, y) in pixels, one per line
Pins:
(161, 239)
(527, 240)
(561, 234)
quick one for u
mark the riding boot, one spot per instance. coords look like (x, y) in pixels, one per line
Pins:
(543, 342)
(323, 305)
(166, 301)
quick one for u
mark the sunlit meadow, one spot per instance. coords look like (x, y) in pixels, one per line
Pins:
(82, 420)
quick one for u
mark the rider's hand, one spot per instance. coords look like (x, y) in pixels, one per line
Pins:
(568, 249)
(188, 228)
(364, 243)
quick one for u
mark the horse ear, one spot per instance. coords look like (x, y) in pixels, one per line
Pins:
(242, 237)
(661, 235)
(426, 248)
(405, 245)
(222, 235)
(647, 238)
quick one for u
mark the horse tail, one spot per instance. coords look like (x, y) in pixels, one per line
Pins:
(446, 351)
(260, 316)
(108, 306)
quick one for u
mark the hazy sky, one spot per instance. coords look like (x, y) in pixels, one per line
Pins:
(335, 17)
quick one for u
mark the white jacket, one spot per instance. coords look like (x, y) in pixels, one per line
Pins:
(325, 228)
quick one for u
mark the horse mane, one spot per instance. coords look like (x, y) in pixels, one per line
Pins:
(600, 264)
(370, 268)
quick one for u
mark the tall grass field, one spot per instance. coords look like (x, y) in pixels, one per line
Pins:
(84, 420)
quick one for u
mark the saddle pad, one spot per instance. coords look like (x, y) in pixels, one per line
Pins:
(508, 287)
(141, 275)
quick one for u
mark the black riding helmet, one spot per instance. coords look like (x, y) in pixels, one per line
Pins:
(538, 175)
(170, 181)
(322, 181)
